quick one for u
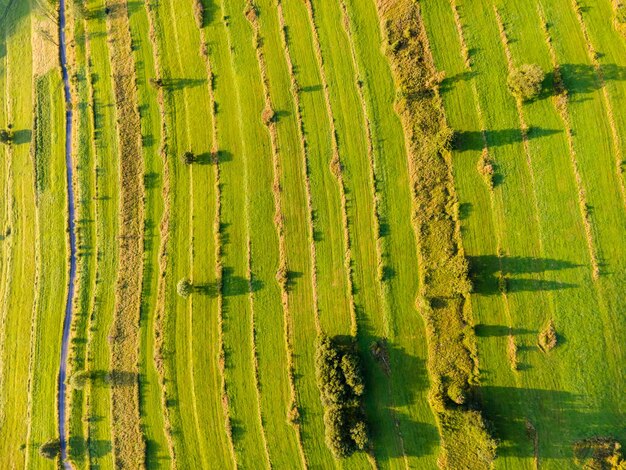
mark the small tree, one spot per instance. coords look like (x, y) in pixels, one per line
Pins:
(6, 136)
(183, 288)
(525, 82)
(79, 379)
(188, 157)
(50, 449)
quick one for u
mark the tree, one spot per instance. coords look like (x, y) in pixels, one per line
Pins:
(79, 379)
(188, 157)
(525, 82)
(50, 449)
(548, 337)
(6, 136)
(183, 288)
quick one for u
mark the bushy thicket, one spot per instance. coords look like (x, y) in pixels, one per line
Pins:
(340, 380)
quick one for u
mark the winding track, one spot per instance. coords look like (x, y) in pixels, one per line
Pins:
(72, 232)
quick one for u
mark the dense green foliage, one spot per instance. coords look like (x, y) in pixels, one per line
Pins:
(526, 81)
(340, 380)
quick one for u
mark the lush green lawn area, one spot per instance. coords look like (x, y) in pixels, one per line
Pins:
(300, 214)
(530, 228)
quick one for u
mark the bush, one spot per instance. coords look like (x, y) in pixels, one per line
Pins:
(548, 337)
(6, 136)
(340, 380)
(188, 157)
(525, 82)
(50, 449)
(80, 379)
(198, 13)
(183, 288)
(599, 453)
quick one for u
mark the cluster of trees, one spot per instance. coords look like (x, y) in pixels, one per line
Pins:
(340, 380)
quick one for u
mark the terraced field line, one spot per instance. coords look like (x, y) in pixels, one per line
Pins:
(335, 165)
(496, 220)
(282, 276)
(18, 317)
(593, 57)
(219, 271)
(305, 157)
(561, 104)
(380, 241)
(164, 229)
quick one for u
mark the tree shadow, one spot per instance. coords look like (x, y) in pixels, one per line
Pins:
(558, 418)
(487, 331)
(23, 136)
(583, 78)
(113, 378)
(210, 12)
(492, 275)
(447, 84)
(77, 447)
(210, 158)
(473, 140)
(231, 285)
(177, 84)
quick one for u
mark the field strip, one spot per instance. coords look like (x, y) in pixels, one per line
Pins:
(336, 168)
(48, 151)
(382, 248)
(178, 349)
(560, 102)
(593, 57)
(128, 439)
(165, 231)
(17, 322)
(217, 227)
(107, 191)
(153, 139)
(328, 274)
(463, 434)
(283, 137)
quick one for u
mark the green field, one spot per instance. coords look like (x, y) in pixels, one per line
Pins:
(250, 176)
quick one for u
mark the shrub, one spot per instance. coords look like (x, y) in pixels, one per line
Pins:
(183, 288)
(525, 82)
(188, 157)
(341, 385)
(268, 116)
(599, 453)
(548, 337)
(6, 136)
(485, 168)
(50, 449)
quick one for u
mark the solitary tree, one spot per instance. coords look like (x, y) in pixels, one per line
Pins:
(525, 82)
(6, 136)
(188, 157)
(50, 449)
(183, 288)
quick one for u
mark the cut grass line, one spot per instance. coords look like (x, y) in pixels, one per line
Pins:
(282, 276)
(335, 164)
(498, 228)
(128, 439)
(560, 100)
(593, 57)
(219, 271)
(165, 230)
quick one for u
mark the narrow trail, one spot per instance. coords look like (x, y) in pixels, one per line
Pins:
(72, 234)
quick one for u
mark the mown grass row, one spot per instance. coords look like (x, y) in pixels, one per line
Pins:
(18, 308)
(49, 163)
(153, 134)
(105, 132)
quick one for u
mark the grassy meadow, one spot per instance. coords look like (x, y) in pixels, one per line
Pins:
(251, 176)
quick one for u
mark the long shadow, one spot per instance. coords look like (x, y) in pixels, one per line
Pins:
(583, 78)
(560, 419)
(486, 331)
(492, 275)
(473, 140)
(177, 84)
